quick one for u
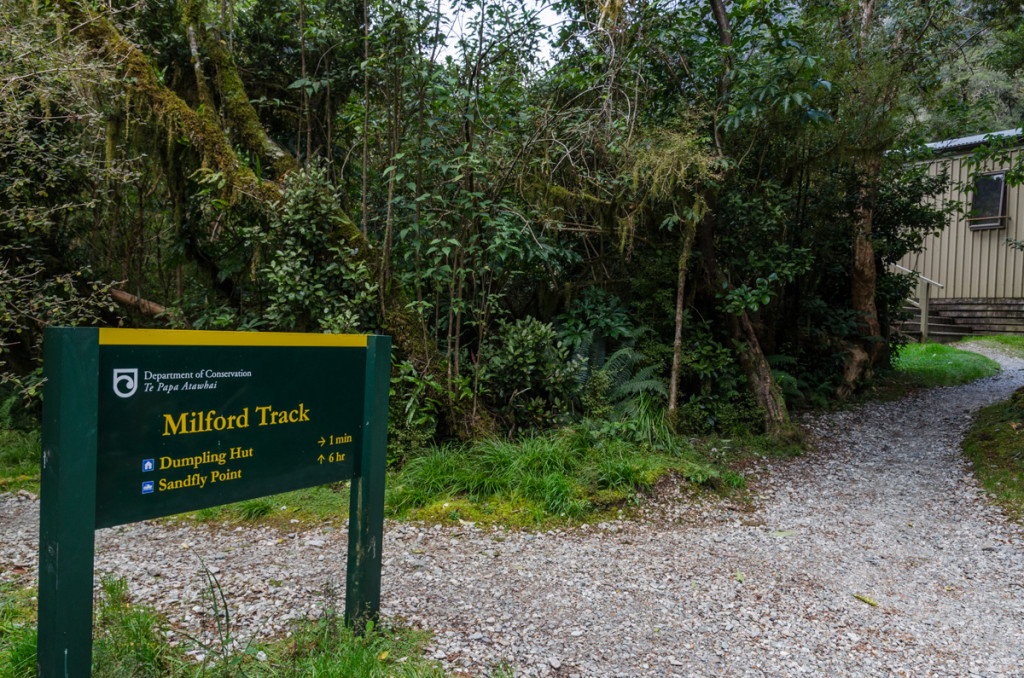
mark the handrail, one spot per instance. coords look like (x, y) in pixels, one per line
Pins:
(922, 295)
(927, 280)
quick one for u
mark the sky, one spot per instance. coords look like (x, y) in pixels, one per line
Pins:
(548, 17)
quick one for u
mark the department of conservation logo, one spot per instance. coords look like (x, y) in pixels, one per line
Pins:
(126, 381)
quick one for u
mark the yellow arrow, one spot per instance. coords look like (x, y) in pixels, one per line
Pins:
(322, 441)
(320, 458)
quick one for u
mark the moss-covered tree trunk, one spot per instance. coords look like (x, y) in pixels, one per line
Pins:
(203, 132)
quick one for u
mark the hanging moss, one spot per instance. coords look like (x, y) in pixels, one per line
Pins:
(202, 131)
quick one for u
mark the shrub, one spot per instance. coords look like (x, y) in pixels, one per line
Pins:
(527, 375)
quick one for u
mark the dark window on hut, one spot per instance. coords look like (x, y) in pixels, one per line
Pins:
(988, 206)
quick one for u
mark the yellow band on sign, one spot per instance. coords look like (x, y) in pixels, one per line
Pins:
(123, 337)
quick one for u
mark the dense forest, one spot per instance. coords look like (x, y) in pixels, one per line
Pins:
(679, 209)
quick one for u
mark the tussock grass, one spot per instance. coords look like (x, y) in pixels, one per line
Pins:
(128, 640)
(254, 509)
(571, 474)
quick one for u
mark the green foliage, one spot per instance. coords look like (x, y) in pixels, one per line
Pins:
(312, 280)
(619, 390)
(326, 647)
(595, 316)
(710, 372)
(19, 460)
(17, 632)
(574, 474)
(128, 639)
(254, 509)
(737, 415)
(17, 651)
(497, 189)
(526, 374)
(128, 642)
(414, 406)
(801, 388)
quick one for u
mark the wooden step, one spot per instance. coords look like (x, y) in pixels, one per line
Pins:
(997, 328)
(937, 325)
(994, 305)
(942, 322)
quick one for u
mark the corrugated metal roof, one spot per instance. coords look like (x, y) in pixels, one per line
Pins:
(964, 143)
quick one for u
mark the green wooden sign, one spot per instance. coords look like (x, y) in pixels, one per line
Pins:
(139, 424)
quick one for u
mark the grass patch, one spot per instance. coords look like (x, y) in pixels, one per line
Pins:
(19, 460)
(326, 647)
(17, 631)
(995, 447)
(571, 475)
(129, 642)
(254, 509)
(927, 366)
(323, 504)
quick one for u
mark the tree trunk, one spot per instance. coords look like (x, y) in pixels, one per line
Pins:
(243, 121)
(677, 343)
(763, 387)
(201, 130)
(863, 354)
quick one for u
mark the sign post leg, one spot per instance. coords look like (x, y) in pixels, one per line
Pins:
(67, 512)
(366, 508)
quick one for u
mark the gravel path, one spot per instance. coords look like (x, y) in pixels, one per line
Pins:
(885, 509)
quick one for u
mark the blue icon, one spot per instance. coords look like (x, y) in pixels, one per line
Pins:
(148, 465)
(147, 487)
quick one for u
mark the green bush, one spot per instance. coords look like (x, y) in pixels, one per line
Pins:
(527, 376)
(311, 278)
(595, 316)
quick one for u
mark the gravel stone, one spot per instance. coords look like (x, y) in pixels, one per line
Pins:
(884, 508)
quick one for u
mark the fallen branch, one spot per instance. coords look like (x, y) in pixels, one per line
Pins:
(141, 305)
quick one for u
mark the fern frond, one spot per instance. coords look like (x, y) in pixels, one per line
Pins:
(780, 359)
(638, 386)
(619, 366)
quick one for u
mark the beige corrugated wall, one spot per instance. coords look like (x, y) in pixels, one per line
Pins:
(973, 264)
